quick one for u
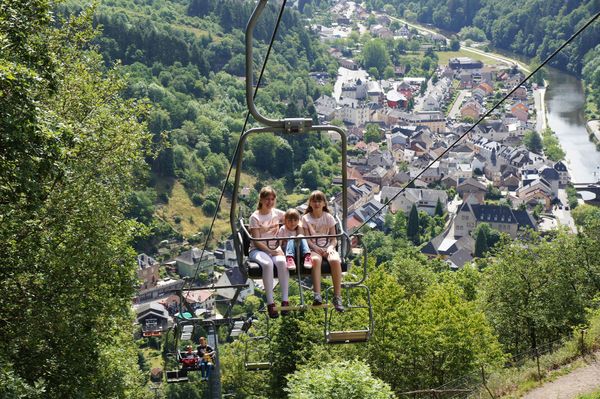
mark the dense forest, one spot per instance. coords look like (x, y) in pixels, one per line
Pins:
(532, 28)
(106, 110)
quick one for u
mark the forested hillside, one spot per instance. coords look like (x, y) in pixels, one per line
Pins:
(534, 28)
(187, 59)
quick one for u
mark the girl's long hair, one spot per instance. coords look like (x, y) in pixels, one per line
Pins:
(264, 193)
(316, 195)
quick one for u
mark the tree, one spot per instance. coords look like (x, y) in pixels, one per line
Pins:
(523, 285)
(439, 209)
(372, 133)
(454, 44)
(70, 148)
(585, 214)
(481, 246)
(533, 141)
(310, 173)
(375, 55)
(412, 227)
(339, 379)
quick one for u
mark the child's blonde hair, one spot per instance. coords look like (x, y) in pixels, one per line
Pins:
(291, 214)
(316, 195)
(264, 193)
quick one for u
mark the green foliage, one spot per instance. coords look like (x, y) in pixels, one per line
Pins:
(375, 55)
(525, 285)
(337, 380)
(372, 133)
(533, 141)
(473, 33)
(416, 343)
(585, 215)
(439, 210)
(572, 196)
(552, 148)
(70, 147)
(481, 246)
(454, 44)
(412, 227)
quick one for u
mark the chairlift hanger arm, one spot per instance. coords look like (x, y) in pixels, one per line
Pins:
(272, 129)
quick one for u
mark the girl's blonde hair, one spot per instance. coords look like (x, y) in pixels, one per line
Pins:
(316, 195)
(264, 193)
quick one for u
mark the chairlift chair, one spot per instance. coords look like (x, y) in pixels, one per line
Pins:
(252, 363)
(354, 335)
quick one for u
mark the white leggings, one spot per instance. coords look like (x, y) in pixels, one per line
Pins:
(267, 261)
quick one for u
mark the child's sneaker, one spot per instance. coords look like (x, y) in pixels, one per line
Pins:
(272, 311)
(337, 303)
(308, 261)
(318, 300)
(291, 265)
(285, 312)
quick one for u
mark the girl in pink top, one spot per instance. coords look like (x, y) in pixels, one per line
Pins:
(318, 221)
(264, 222)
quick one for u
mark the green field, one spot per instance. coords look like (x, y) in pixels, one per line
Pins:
(444, 56)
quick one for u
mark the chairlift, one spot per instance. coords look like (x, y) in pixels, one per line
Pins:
(286, 127)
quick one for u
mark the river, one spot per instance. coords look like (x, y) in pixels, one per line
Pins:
(564, 109)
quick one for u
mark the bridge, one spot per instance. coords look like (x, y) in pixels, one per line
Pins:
(589, 192)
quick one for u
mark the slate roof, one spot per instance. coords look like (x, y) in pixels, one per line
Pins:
(550, 174)
(499, 214)
(151, 308)
(559, 166)
(234, 275)
(460, 257)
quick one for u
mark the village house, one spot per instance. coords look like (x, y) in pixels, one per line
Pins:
(501, 218)
(200, 301)
(147, 272)
(189, 262)
(366, 211)
(225, 255)
(357, 196)
(563, 173)
(153, 318)
(472, 190)
(455, 250)
(520, 111)
(424, 199)
(472, 109)
(162, 289)
(234, 276)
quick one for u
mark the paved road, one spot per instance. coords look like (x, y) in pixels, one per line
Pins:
(580, 381)
(455, 111)
(540, 109)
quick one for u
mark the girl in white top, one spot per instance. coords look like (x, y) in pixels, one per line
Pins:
(318, 221)
(264, 222)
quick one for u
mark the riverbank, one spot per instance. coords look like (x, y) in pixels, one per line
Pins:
(593, 128)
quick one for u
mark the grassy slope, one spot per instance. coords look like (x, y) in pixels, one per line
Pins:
(192, 218)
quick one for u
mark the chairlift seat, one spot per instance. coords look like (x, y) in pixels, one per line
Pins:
(186, 336)
(255, 270)
(257, 366)
(346, 337)
(175, 376)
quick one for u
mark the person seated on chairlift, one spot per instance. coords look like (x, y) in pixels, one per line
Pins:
(206, 356)
(189, 357)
